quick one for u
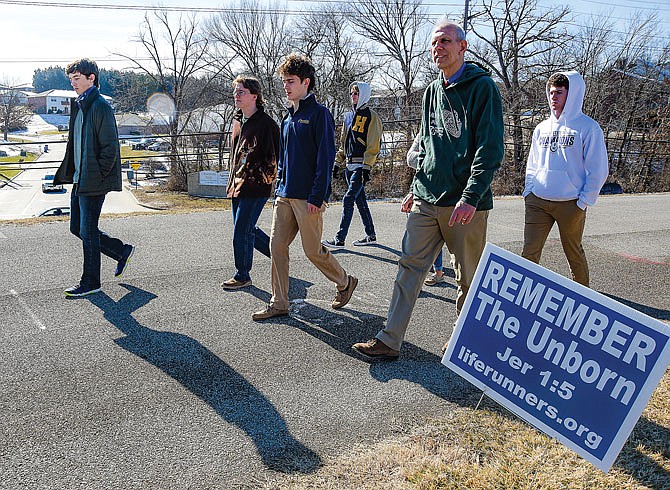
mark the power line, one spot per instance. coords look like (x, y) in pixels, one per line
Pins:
(545, 10)
(269, 10)
(272, 10)
(111, 6)
(641, 4)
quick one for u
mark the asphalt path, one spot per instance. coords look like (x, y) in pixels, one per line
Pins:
(163, 381)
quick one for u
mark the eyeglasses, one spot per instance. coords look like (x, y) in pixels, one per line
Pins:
(240, 93)
(353, 93)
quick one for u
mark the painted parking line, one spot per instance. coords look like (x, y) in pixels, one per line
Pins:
(27, 309)
(634, 258)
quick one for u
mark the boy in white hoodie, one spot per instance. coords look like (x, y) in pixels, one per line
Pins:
(567, 166)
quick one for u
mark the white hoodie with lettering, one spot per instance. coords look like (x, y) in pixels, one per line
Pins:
(568, 157)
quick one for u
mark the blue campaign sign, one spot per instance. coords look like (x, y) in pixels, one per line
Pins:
(576, 364)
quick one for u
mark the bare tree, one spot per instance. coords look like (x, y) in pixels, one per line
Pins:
(180, 66)
(399, 27)
(513, 40)
(259, 38)
(339, 58)
(13, 114)
(627, 95)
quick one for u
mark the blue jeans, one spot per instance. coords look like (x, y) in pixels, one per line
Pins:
(84, 217)
(437, 265)
(355, 194)
(246, 235)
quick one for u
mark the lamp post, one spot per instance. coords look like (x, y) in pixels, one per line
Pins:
(465, 17)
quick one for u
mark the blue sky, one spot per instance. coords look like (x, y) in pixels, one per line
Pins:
(37, 34)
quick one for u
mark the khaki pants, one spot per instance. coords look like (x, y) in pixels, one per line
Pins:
(427, 230)
(540, 217)
(289, 217)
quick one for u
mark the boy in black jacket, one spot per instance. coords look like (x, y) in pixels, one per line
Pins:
(93, 164)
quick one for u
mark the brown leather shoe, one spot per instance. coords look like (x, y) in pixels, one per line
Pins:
(268, 312)
(233, 283)
(343, 297)
(376, 349)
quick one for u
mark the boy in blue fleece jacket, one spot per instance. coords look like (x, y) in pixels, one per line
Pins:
(306, 156)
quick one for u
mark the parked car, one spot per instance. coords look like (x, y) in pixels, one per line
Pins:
(160, 146)
(63, 127)
(59, 211)
(49, 186)
(383, 150)
(143, 143)
(211, 143)
(611, 188)
(151, 170)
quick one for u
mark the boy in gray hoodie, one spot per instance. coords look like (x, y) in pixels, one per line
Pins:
(360, 144)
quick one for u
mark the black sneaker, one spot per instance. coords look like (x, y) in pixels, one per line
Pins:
(78, 291)
(368, 240)
(334, 243)
(122, 264)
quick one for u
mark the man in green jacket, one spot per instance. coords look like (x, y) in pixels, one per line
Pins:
(93, 164)
(461, 147)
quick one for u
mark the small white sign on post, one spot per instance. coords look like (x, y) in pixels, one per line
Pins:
(574, 363)
(210, 177)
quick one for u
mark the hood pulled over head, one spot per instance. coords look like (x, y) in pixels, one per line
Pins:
(364, 93)
(575, 99)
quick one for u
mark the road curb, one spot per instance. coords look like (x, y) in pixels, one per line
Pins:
(139, 203)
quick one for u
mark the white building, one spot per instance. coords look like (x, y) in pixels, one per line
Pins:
(54, 101)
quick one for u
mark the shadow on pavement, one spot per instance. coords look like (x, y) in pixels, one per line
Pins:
(647, 310)
(415, 365)
(361, 253)
(425, 293)
(425, 369)
(233, 398)
(297, 288)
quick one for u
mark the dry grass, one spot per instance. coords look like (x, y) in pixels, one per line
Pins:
(489, 448)
(48, 219)
(8, 172)
(127, 152)
(17, 139)
(178, 202)
(18, 159)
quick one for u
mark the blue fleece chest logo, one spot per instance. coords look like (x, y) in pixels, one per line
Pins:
(556, 140)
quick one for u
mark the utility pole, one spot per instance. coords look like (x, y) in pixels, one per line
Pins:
(465, 17)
